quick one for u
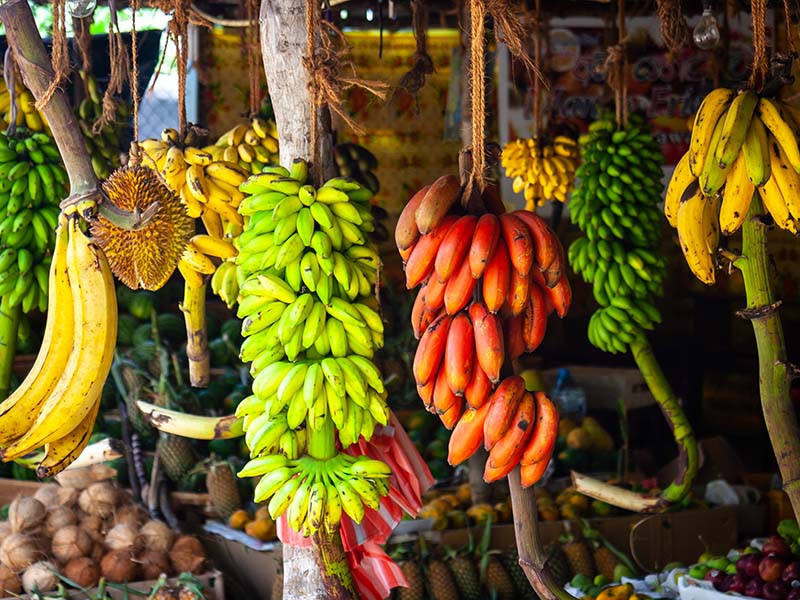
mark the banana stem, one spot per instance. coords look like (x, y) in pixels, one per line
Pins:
(775, 372)
(194, 315)
(9, 324)
(322, 443)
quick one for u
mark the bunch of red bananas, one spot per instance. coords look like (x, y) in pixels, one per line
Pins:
(489, 283)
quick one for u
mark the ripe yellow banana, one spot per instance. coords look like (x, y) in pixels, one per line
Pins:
(737, 121)
(680, 180)
(756, 152)
(711, 110)
(692, 236)
(781, 129)
(736, 196)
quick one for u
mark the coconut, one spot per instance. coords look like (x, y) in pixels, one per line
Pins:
(157, 536)
(58, 518)
(98, 552)
(187, 555)
(48, 495)
(5, 530)
(9, 582)
(130, 514)
(40, 577)
(67, 496)
(18, 551)
(83, 571)
(71, 542)
(122, 537)
(98, 499)
(118, 566)
(25, 514)
(154, 563)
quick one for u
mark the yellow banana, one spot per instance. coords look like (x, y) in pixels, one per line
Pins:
(712, 177)
(692, 237)
(736, 196)
(737, 121)
(711, 110)
(214, 246)
(60, 453)
(680, 180)
(781, 129)
(197, 260)
(756, 152)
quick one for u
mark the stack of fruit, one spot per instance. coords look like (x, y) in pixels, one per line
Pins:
(311, 327)
(356, 162)
(542, 171)
(584, 446)
(252, 145)
(259, 525)
(489, 284)
(740, 143)
(455, 510)
(104, 145)
(569, 504)
(26, 113)
(616, 206)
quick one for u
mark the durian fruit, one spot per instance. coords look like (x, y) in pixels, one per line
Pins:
(146, 257)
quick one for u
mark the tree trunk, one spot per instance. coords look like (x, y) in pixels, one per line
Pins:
(283, 45)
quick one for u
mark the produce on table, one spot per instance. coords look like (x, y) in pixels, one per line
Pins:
(222, 488)
(542, 170)
(306, 275)
(252, 146)
(25, 106)
(454, 509)
(515, 261)
(741, 143)
(616, 206)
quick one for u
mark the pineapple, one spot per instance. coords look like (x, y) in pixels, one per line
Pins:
(579, 557)
(557, 563)
(466, 577)
(498, 580)
(606, 561)
(522, 585)
(176, 455)
(416, 585)
(222, 489)
(441, 582)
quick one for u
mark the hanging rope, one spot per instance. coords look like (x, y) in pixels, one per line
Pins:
(477, 95)
(510, 30)
(674, 28)
(135, 155)
(253, 49)
(616, 69)
(60, 53)
(83, 40)
(787, 16)
(118, 58)
(325, 61)
(760, 59)
(537, 61)
(414, 80)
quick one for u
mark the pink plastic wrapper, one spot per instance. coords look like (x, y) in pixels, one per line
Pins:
(374, 573)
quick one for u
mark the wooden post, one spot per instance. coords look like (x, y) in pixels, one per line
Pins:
(313, 573)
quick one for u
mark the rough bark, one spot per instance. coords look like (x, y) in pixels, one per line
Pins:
(283, 45)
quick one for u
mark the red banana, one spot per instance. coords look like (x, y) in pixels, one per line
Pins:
(561, 296)
(506, 453)
(534, 319)
(459, 289)
(530, 474)
(484, 243)
(518, 241)
(405, 254)
(489, 348)
(436, 203)
(454, 247)
(515, 340)
(556, 269)
(443, 396)
(421, 315)
(426, 394)
(420, 264)
(467, 435)
(479, 388)
(502, 406)
(497, 279)
(543, 439)
(430, 350)
(545, 241)
(406, 231)
(518, 295)
(451, 416)
(433, 292)
(459, 353)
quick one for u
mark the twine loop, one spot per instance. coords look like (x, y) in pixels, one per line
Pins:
(674, 29)
(414, 80)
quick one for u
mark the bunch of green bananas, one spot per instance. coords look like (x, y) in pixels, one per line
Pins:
(356, 162)
(306, 276)
(740, 143)
(251, 145)
(616, 206)
(541, 170)
(32, 183)
(104, 146)
(27, 115)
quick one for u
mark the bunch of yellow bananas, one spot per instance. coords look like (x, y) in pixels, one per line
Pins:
(252, 146)
(57, 403)
(542, 171)
(740, 143)
(27, 114)
(306, 274)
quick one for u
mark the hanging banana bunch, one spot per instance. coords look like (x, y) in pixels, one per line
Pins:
(616, 206)
(541, 170)
(307, 275)
(741, 143)
(252, 146)
(25, 104)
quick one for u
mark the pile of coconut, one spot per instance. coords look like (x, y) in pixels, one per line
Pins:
(85, 535)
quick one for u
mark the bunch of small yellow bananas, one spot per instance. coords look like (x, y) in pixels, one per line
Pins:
(542, 171)
(252, 146)
(27, 114)
(740, 143)
(57, 403)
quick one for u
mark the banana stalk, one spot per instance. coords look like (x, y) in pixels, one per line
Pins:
(775, 373)
(194, 315)
(9, 323)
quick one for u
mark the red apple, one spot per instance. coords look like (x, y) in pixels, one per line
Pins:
(716, 577)
(791, 571)
(753, 588)
(770, 568)
(774, 590)
(777, 545)
(748, 564)
(737, 584)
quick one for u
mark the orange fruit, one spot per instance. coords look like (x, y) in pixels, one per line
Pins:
(261, 529)
(239, 519)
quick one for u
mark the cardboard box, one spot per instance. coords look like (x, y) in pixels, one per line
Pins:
(652, 540)
(248, 573)
(604, 386)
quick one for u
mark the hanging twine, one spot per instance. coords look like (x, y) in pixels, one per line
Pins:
(616, 68)
(510, 30)
(135, 155)
(760, 59)
(83, 41)
(787, 17)
(414, 80)
(118, 58)
(674, 28)
(537, 60)
(253, 48)
(477, 95)
(325, 61)
(60, 54)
